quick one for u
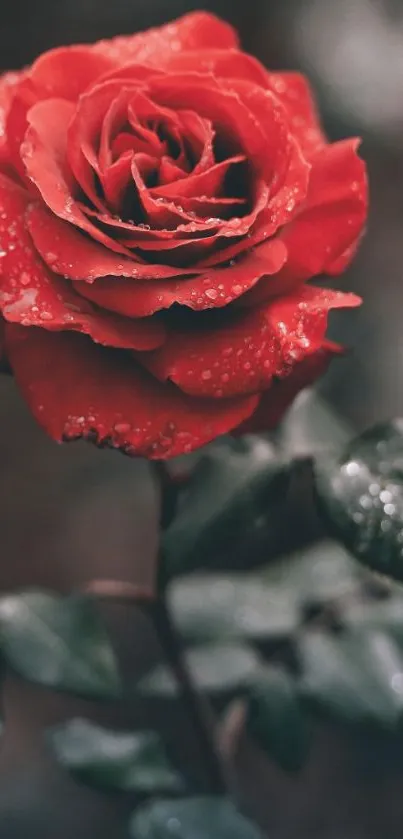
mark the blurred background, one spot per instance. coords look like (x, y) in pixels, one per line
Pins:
(65, 515)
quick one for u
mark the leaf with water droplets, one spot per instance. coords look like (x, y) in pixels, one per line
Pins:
(232, 486)
(361, 497)
(58, 642)
(114, 760)
(355, 677)
(192, 818)
(276, 720)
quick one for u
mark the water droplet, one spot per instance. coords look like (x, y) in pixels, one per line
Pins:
(206, 375)
(212, 293)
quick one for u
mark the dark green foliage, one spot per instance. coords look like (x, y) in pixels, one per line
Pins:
(192, 818)
(58, 642)
(115, 760)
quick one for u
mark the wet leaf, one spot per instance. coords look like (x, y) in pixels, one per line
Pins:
(192, 818)
(361, 497)
(276, 720)
(114, 760)
(354, 676)
(215, 668)
(216, 606)
(230, 489)
(385, 615)
(315, 575)
(58, 642)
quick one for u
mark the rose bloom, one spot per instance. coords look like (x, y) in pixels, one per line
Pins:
(163, 200)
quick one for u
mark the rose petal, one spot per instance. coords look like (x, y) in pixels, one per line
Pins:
(8, 84)
(244, 355)
(23, 99)
(235, 123)
(333, 215)
(194, 31)
(228, 63)
(209, 183)
(68, 252)
(324, 237)
(211, 290)
(274, 402)
(65, 72)
(32, 296)
(44, 155)
(77, 389)
(294, 92)
(85, 129)
(60, 73)
(281, 208)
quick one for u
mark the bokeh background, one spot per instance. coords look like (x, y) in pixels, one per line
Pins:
(69, 514)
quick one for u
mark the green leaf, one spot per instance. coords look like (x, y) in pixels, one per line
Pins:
(218, 606)
(314, 576)
(232, 486)
(276, 720)
(114, 760)
(215, 669)
(192, 818)
(354, 677)
(361, 497)
(311, 427)
(58, 642)
(385, 615)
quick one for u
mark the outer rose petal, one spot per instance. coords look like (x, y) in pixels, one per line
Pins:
(77, 389)
(244, 355)
(324, 236)
(275, 401)
(65, 72)
(294, 93)
(230, 64)
(8, 83)
(195, 31)
(334, 212)
(32, 296)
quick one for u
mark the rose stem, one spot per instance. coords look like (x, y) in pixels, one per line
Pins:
(172, 646)
(195, 708)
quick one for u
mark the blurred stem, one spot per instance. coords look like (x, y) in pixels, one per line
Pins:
(154, 603)
(194, 703)
(169, 493)
(171, 644)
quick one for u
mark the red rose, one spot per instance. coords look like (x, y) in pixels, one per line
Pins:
(167, 197)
